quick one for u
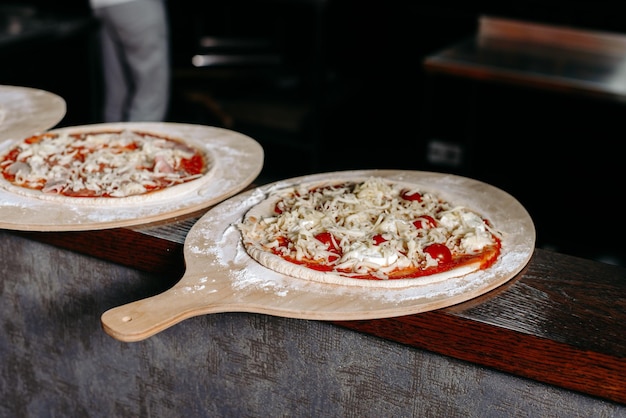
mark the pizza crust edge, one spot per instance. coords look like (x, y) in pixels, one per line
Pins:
(276, 263)
(166, 194)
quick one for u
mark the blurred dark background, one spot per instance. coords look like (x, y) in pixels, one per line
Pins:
(340, 85)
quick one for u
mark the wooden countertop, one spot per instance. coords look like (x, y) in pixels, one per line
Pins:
(561, 321)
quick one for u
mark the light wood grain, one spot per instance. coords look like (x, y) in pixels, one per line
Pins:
(237, 157)
(221, 277)
(26, 111)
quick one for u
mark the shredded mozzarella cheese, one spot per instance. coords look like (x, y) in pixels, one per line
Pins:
(110, 164)
(372, 224)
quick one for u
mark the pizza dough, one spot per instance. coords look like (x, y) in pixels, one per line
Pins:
(101, 141)
(262, 217)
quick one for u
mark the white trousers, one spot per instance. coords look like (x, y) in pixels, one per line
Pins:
(135, 51)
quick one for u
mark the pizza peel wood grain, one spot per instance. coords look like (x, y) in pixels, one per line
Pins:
(238, 159)
(25, 111)
(220, 276)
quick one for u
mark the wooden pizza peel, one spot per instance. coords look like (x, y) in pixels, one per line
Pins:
(221, 277)
(27, 111)
(237, 160)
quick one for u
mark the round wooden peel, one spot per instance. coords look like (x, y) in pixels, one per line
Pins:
(26, 111)
(221, 277)
(237, 159)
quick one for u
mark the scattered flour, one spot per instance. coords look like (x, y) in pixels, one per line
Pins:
(229, 149)
(216, 242)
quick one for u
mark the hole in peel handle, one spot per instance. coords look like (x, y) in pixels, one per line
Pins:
(142, 319)
(126, 324)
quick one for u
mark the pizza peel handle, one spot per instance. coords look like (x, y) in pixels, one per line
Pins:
(221, 277)
(144, 318)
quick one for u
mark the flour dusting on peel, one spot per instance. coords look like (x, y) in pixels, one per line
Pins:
(215, 237)
(228, 149)
(26, 111)
(203, 285)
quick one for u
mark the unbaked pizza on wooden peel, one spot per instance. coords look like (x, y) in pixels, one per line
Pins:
(342, 246)
(368, 232)
(121, 174)
(102, 167)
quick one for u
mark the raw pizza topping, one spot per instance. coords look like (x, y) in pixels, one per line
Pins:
(372, 229)
(101, 164)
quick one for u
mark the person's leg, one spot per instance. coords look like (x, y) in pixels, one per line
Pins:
(143, 29)
(116, 87)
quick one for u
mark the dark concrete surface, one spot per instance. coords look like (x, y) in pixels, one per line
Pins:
(58, 362)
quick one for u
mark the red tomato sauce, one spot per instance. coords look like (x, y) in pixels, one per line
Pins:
(487, 258)
(188, 167)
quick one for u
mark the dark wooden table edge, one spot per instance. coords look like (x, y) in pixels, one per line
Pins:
(446, 331)
(531, 357)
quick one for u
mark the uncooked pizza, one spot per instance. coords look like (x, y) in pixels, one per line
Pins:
(368, 232)
(101, 166)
